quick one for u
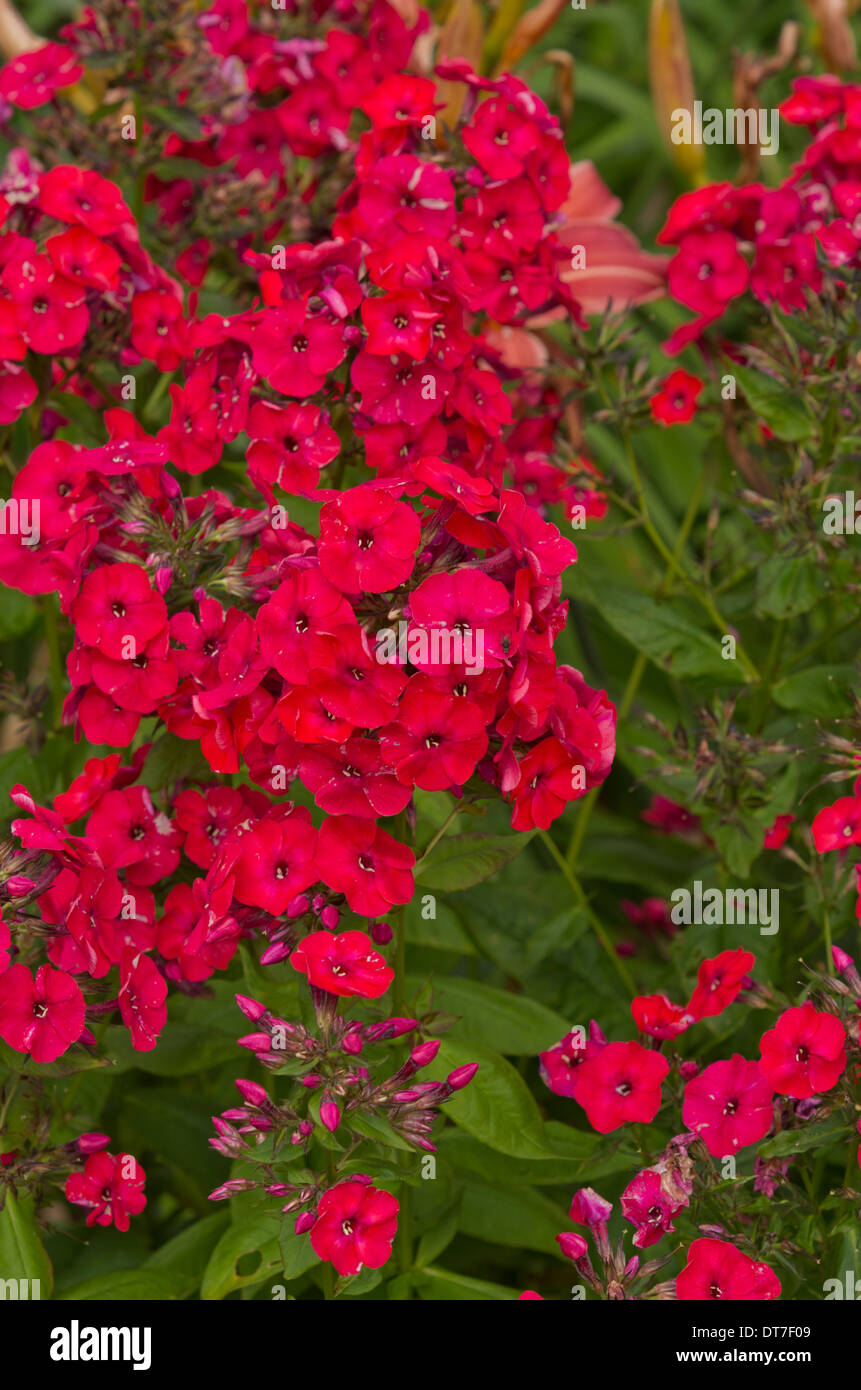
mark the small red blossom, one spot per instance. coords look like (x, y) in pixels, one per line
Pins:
(717, 1270)
(111, 1187)
(346, 964)
(804, 1053)
(676, 402)
(355, 1226)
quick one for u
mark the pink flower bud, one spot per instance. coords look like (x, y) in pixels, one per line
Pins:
(589, 1208)
(163, 578)
(461, 1076)
(252, 1008)
(392, 1028)
(92, 1143)
(312, 1080)
(228, 1188)
(382, 933)
(304, 1222)
(318, 902)
(330, 917)
(18, 886)
(330, 1115)
(424, 1054)
(688, 1070)
(572, 1245)
(280, 950)
(352, 1043)
(255, 1042)
(252, 1091)
(298, 906)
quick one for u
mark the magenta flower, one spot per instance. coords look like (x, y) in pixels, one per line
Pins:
(41, 1016)
(729, 1105)
(355, 1226)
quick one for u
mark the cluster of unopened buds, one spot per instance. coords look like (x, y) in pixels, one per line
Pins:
(330, 1093)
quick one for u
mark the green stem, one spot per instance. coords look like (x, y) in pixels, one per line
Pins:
(399, 992)
(404, 1238)
(704, 599)
(637, 670)
(772, 661)
(582, 901)
(439, 834)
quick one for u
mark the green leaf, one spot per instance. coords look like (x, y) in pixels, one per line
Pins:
(774, 404)
(822, 691)
(125, 1285)
(788, 585)
(182, 1050)
(572, 1157)
(253, 1243)
(173, 759)
(514, 1216)
(497, 1106)
(439, 1237)
(358, 1284)
(796, 1141)
(184, 1258)
(18, 613)
(297, 1255)
(77, 1059)
(673, 641)
(509, 1023)
(177, 119)
(461, 861)
(436, 1284)
(86, 423)
(22, 1254)
(376, 1127)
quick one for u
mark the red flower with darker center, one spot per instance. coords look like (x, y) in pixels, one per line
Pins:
(112, 1188)
(659, 1017)
(676, 402)
(116, 603)
(620, 1085)
(804, 1053)
(368, 541)
(51, 315)
(42, 1016)
(143, 991)
(355, 1226)
(838, 826)
(346, 964)
(436, 741)
(31, 79)
(719, 981)
(352, 779)
(81, 196)
(716, 1270)
(370, 867)
(729, 1105)
(277, 862)
(707, 271)
(302, 607)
